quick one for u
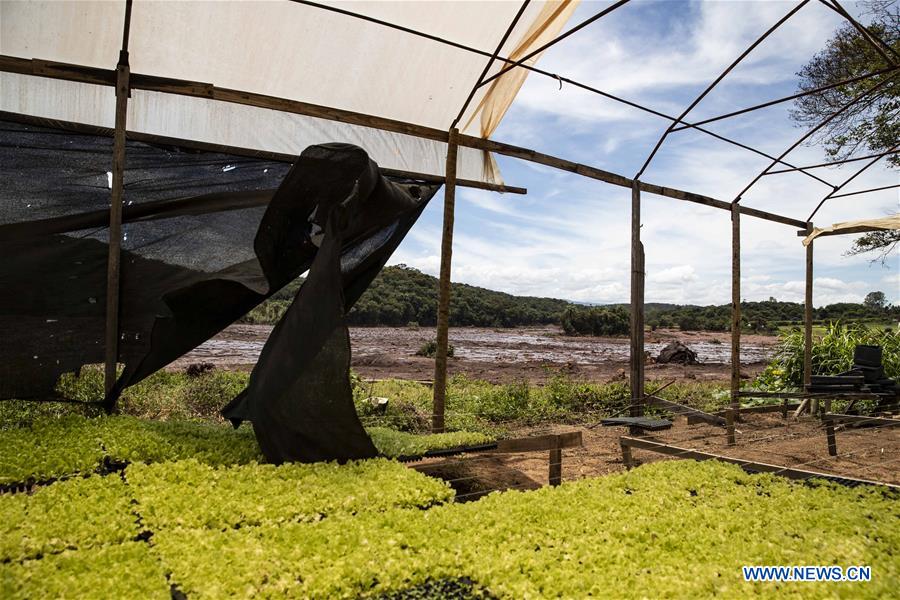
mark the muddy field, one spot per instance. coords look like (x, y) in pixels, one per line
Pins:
(502, 355)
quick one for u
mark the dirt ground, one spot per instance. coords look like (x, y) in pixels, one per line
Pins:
(863, 453)
(535, 353)
(503, 355)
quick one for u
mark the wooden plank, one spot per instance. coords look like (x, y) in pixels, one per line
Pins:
(768, 408)
(637, 423)
(202, 90)
(443, 310)
(555, 471)
(690, 413)
(735, 322)
(862, 420)
(150, 138)
(470, 183)
(619, 180)
(636, 353)
(806, 395)
(792, 473)
(570, 439)
(807, 320)
(765, 408)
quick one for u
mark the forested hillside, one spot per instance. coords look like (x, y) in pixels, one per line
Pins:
(401, 295)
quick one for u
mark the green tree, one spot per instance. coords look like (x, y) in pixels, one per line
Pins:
(873, 124)
(881, 242)
(875, 300)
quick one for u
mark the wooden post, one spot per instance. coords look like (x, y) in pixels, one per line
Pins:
(627, 458)
(807, 322)
(555, 475)
(123, 75)
(443, 310)
(829, 430)
(637, 306)
(735, 321)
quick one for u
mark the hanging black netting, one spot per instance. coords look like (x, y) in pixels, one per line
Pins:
(206, 237)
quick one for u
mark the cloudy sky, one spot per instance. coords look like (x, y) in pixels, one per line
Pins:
(569, 237)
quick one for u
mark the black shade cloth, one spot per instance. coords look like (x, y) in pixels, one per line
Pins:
(299, 396)
(207, 236)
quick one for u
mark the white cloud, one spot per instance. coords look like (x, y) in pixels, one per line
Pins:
(569, 237)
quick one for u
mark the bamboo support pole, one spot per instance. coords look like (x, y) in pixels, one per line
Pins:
(123, 74)
(443, 309)
(637, 305)
(735, 322)
(807, 322)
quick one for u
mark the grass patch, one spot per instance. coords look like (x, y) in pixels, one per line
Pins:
(479, 406)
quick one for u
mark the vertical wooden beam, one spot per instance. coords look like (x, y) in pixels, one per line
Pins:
(735, 321)
(627, 457)
(637, 305)
(123, 75)
(555, 475)
(443, 311)
(829, 430)
(807, 322)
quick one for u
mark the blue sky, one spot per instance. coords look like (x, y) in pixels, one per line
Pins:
(569, 237)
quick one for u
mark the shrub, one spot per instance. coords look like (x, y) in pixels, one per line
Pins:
(595, 320)
(832, 353)
(429, 349)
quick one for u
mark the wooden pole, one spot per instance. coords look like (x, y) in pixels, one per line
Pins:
(637, 305)
(443, 310)
(123, 74)
(829, 429)
(554, 477)
(62, 71)
(735, 322)
(807, 322)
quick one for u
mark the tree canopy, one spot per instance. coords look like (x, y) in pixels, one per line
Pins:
(873, 124)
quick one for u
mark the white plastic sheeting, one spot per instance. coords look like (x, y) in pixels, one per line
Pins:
(286, 50)
(860, 226)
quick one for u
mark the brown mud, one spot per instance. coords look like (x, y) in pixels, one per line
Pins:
(503, 355)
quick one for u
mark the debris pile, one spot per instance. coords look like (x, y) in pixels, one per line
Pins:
(677, 353)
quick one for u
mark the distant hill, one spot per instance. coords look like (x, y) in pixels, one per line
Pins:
(401, 295)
